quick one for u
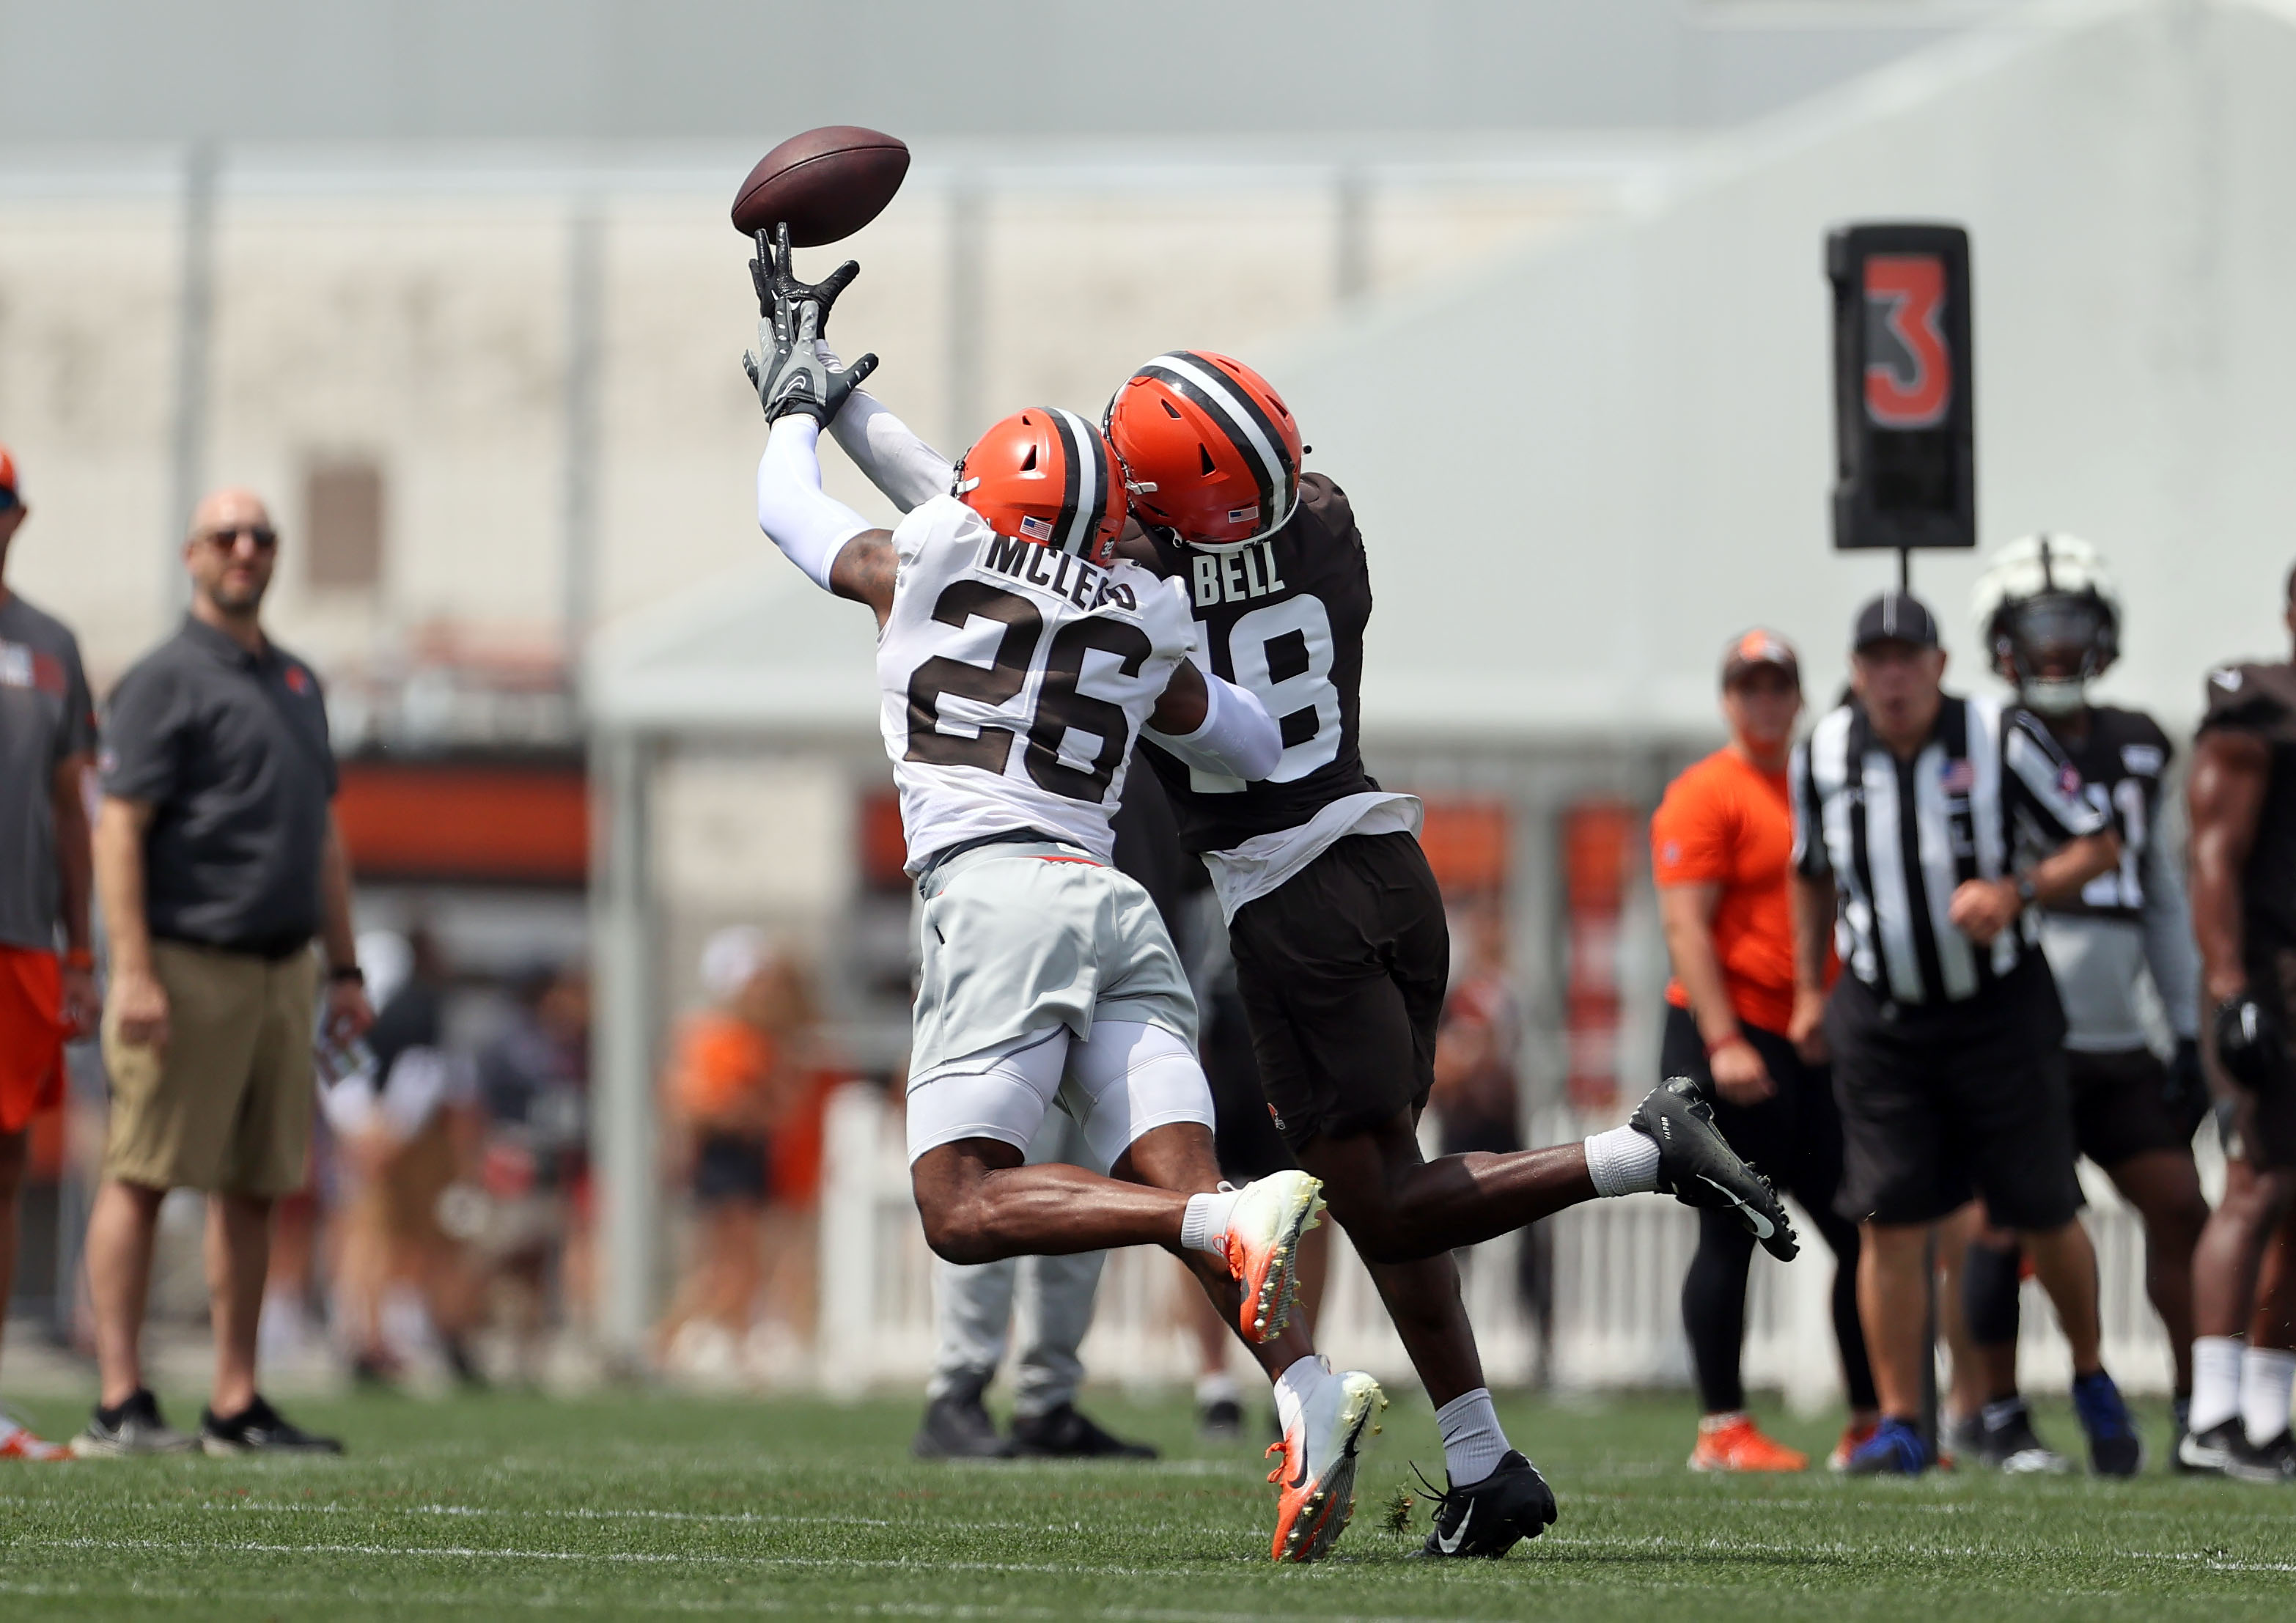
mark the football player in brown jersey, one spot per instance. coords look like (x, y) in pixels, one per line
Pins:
(2243, 801)
(1336, 923)
(2049, 612)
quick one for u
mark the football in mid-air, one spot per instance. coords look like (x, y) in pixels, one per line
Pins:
(825, 184)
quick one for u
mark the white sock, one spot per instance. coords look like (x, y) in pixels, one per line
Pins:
(1204, 1225)
(2266, 1376)
(1292, 1387)
(1472, 1443)
(1220, 1387)
(2216, 1381)
(1620, 1161)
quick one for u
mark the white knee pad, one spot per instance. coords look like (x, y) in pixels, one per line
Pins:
(1129, 1078)
(1001, 1092)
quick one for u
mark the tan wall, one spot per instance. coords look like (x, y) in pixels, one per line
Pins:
(428, 330)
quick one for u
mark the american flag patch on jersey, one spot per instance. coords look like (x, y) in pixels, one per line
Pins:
(1035, 528)
(1960, 777)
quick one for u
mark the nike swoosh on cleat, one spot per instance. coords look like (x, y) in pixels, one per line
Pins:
(1450, 1547)
(1763, 1227)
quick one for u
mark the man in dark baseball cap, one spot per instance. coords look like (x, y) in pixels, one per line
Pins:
(1894, 616)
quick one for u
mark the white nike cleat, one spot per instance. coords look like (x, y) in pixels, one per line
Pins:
(1316, 1481)
(1263, 1247)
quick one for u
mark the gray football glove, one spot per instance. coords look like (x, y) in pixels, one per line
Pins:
(791, 316)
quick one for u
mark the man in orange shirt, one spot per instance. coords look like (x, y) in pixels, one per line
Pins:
(1720, 847)
(47, 736)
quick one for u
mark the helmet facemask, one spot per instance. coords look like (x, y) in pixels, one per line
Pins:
(2053, 646)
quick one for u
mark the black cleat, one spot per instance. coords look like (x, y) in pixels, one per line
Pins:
(1221, 1420)
(2209, 1453)
(1064, 1433)
(957, 1427)
(2006, 1442)
(2272, 1461)
(1490, 1518)
(259, 1428)
(1698, 1167)
(134, 1428)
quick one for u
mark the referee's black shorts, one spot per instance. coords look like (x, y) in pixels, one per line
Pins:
(1342, 969)
(1941, 1103)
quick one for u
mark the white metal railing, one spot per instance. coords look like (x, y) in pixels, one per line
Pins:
(1617, 1269)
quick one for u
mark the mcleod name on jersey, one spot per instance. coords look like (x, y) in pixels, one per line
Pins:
(1284, 616)
(1013, 680)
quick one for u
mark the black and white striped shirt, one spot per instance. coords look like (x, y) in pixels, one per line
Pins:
(1988, 794)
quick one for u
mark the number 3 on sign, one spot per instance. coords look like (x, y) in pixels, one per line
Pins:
(1908, 369)
(1293, 637)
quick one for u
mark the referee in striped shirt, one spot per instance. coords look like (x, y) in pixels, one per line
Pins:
(1926, 826)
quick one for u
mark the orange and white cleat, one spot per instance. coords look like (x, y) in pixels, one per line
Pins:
(1263, 1247)
(1855, 1436)
(1733, 1442)
(18, 1443)
(1316, 1483)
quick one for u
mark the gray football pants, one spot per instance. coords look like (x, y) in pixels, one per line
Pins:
(973, 1303)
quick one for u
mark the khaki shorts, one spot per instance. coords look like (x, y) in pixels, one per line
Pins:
(1018, 938)
(226, 1106)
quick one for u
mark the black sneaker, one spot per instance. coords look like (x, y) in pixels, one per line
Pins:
(2116, 1448)
(957, 1427)
(2209, 1453)
(1490, 1517)
(1063, 1433)
(1221, 1420)
(134, 1428)
(2272, 1461)
(2006, 1442)
(1698, 1167)
(259, 1428)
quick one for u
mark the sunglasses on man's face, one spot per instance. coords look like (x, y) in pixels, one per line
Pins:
(227, 537)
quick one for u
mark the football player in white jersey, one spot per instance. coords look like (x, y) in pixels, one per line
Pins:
(1018, 661)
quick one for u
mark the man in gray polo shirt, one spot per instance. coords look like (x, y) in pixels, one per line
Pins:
(47, 730)
(217, 861)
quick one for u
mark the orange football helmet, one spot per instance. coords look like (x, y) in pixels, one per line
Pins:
(1046, 475)
(1209, 450)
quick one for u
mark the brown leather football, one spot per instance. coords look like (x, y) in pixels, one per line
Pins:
(825, 184)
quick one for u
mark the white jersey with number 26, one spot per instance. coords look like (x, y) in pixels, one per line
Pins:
(1013, 680)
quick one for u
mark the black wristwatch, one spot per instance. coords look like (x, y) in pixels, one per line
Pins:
(348, 972)
(2028, 892)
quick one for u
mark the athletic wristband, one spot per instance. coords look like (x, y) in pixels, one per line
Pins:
(79, 958)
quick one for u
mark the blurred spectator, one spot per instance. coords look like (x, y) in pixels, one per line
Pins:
(738, 1090)
(1476, 1099)
(408, 1132)
(534, 1083)
(219, 861)
(47, 735)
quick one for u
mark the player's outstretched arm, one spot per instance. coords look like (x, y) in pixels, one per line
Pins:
(841, 551)
(1215, 726)
(905, 468)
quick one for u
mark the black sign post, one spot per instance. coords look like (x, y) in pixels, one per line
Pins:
(1903, 370)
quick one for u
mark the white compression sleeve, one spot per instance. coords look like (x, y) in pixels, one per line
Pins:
(811, 527)
(909, 471)
(1238, 739)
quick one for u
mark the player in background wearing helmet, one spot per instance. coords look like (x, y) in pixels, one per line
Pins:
(2047, 610)
(2241, 797)
(1337, 927)
(1018, 662)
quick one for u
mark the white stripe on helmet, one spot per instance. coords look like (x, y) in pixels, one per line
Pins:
(1092, 488)
(1243, 430)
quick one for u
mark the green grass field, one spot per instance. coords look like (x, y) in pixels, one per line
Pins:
(503, 1506)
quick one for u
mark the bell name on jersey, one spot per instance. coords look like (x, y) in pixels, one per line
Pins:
(1013, 680)
(1284, 618)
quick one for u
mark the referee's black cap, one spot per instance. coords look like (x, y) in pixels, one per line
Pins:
(1894, 616)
